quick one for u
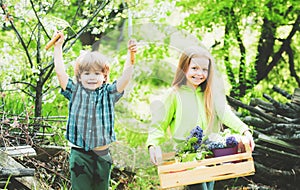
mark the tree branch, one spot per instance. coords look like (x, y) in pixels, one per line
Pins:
(286, 43)
(275, 172)
(19, 37)
(268, 107)
(258, 123)
(28, 93)
(282, 92)
(80, 32)
(77, 12)
(265, 46)
(48, 74)
(229, 70)
(242, 67)
(279, 152)
(22, 82)
(254, 110)
(290, 53)
(38, 18)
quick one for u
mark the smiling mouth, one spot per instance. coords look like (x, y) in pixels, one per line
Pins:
(197, 78)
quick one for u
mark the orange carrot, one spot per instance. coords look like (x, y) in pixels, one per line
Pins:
(52, 41)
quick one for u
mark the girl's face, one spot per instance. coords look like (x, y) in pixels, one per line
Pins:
(91, 79)
(197, 72)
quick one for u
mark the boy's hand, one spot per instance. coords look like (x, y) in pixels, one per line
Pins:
(60, 38)
(58, 35)
(132, 48)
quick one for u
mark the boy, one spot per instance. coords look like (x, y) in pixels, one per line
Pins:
(90, 126)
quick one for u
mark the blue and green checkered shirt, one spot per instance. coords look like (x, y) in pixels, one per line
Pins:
(91, 114)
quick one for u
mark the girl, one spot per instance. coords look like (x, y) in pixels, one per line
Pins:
(196, 98)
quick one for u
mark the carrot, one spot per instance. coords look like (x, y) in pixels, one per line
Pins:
(52, 41)
(132, 57)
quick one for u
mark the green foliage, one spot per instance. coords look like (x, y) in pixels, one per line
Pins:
(60, 108)
(237, 25)
(16, 104)
(153, 69)
(132, 138)
(187, 146)
(146, 178)
(186, 152)
(7, 182)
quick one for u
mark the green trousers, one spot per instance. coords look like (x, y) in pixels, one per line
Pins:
(89, 171)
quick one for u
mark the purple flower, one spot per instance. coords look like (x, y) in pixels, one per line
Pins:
(215, 145)
(231, 141)
(198, 133)
(196, 146)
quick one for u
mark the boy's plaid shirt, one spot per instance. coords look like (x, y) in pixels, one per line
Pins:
(91, 114)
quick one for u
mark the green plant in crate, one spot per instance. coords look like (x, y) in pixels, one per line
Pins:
(193, 147)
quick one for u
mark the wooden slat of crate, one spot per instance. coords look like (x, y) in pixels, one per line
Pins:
(204, 174)
(212, 169)
(211, 161)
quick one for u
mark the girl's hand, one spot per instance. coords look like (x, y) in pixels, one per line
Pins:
(246, 138)
(249, 137)
(155, 155)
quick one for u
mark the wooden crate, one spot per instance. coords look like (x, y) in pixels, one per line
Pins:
(211, 169)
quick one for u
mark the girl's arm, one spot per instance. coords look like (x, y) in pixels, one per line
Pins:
(58, 62)
(162, 114)
(123, 81)
(231, 120)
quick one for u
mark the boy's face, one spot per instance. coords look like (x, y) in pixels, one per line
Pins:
(91, 79)
(197, 72)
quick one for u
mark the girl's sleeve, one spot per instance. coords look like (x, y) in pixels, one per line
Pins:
(162, 115)
(231, 120)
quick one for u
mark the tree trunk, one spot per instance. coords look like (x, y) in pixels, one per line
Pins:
(38, 99)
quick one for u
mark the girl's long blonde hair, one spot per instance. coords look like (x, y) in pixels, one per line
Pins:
(91, 60)
(206, 87)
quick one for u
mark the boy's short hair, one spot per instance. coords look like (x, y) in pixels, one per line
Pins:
(91, 60)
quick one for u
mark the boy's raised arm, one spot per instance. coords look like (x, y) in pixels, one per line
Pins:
(123, 81)
(59, 63)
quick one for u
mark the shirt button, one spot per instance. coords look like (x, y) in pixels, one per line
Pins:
(90, 131)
